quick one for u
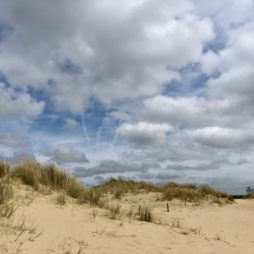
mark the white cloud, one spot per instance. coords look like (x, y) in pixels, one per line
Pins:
(222, 137)
(138, 49)
(144, 133)
(71, 123)
(17, 104)
(190, 111)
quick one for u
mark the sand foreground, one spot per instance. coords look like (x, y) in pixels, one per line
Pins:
(42, 226)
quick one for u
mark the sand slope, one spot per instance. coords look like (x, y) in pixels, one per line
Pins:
(50, 228)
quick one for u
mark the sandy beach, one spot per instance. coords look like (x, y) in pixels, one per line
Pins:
(42, 226)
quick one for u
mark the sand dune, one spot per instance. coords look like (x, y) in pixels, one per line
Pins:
(42, 226)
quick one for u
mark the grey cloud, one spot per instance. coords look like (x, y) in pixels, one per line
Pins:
(13, 141)
(213, 164)
(66, 154)
(111, 166)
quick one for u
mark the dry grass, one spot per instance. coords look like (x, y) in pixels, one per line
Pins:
(170, 191)
(61, 198)
(145, 214)
(114, 211)
(124, 186)
(6, 191)
(7, 206)
(118, 194)
(5, 169)
(29, 172)
(35, 174)
(91, 196)
(191, 193)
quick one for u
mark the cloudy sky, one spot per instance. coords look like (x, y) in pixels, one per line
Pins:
(159, 90)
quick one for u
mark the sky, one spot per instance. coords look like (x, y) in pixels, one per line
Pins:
(150, 90)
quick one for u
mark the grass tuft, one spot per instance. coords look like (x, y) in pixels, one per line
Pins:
(114, 211)
(145, 214)
(61, 198)
(90, 196)
(5, 169)
(6, 192)
(29, 172)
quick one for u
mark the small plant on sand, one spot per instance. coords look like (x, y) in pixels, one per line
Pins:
(8, 209)
(7, 206)
(176, 223)
(114, 211)
(61, 198)
(118, 194)
(94, 212)
(90, 196)
(130, 213)
(145, 214)
(6, 192)
(5, 168)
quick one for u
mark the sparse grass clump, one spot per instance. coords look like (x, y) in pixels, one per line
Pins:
(61, 198)
(176, 223)
(5, 169)
(145, 214)
(90, 196)
(6, 192)
(7, 206)
(114, 211)
(118, 194)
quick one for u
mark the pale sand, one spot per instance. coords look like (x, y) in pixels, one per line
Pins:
(73, 228)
